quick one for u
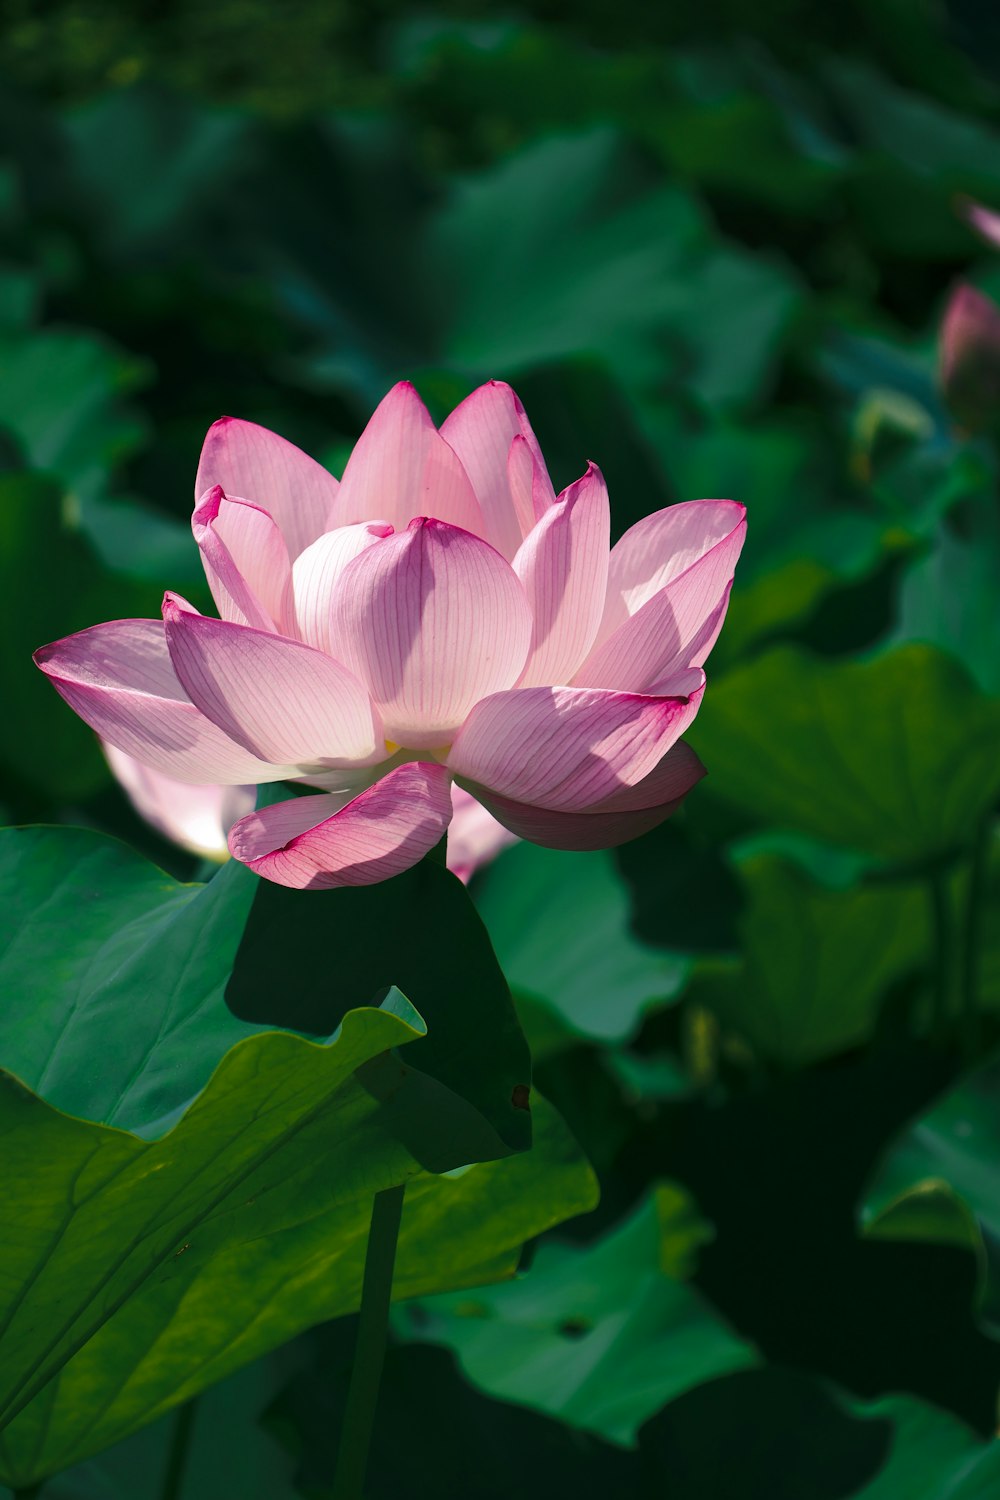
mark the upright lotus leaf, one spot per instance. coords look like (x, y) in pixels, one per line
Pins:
(894, 756)
(598, 1336)
(111, 959)
(214, 1200)
(941, 1171)
(136, 1272)
(419, 931)
(229, 1449)
(816, 963)
(560, 924)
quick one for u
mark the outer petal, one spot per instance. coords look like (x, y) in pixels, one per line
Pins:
(281, 699)
(119, 678)
(250, 462)
(402, 467)
(621, 817)
(317, 570)
(563, 566)
(246, 562)
(481, 430)
(431, 619)
(475, 837)
(658, 549)
(531, 489)
(196, 817)
(567, 749)
(676, 628)
(316, 843)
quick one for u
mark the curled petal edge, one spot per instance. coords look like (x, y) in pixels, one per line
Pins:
(321, 843)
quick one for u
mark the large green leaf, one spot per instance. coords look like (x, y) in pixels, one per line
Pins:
(895, 756)
(110, 958)
(560, 925)
(228, 1449)
(599, 1337)
(138, 1272)
(419, 931)
(816, 962)
(115, 977)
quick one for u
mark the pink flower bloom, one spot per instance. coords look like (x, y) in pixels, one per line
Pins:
(441, 615)
(969, 359)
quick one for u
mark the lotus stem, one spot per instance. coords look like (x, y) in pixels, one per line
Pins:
(369, 1353)
(180, 1444)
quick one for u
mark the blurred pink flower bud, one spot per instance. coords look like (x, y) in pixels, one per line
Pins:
(441, 616)
(969, 365)
(983, 220)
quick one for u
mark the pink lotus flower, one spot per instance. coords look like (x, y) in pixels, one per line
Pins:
(440, 615)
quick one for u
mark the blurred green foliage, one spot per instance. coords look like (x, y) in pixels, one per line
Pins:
(710, 246)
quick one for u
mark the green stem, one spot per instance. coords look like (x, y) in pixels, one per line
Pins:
(369, 1352)
(972, 938)
(944, 951)
(180, 1444)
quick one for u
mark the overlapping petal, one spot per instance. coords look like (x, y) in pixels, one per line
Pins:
(402, 467)
(317, 843)
(317, 570)
(431, 619)
(531, 489)
(281, 699)
(481, 431)
(625, 815)
(660, 548)
(251, 463)
(563, 566)
(246, 562)
(120, 679)
(567, 749)
(673, 628)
